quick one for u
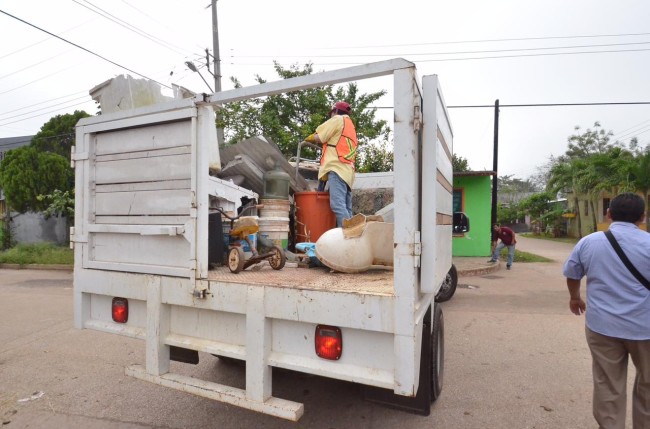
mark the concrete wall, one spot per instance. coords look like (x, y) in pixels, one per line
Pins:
(34, 228)
(477, 202)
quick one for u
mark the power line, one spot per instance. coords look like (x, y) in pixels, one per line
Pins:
(107, 15)
(519, 39)
(35, 64)
(447, 53)
(36, 80)
(41, 114)
(84, 49)
(546, 105)
(381, 56)
(48, 107)
(42, 102)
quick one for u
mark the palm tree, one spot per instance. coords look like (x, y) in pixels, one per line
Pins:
(563, 177)
(639, 170)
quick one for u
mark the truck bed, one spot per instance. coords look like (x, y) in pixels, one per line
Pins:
(372, 282)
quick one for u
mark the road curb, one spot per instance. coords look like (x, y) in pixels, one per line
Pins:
(59, 267)
(479, 271)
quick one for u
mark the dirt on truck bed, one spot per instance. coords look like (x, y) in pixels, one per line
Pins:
(372, 282)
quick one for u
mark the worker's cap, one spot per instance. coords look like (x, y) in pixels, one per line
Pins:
(342, 106)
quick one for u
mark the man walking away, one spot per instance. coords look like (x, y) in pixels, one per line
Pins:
(617, 312)
(508, 240)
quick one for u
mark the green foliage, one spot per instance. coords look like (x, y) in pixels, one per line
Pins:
(639, 175)
(459, 163)
(522, 256)
(536, 204)
(589, 142)
(290, 117)
(41, 253)
(26, 173)
(60, 203)
(58, 134)
(509, 213)
(5, 235)
(375, 157)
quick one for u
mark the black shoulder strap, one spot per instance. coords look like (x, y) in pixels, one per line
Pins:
(626, 261)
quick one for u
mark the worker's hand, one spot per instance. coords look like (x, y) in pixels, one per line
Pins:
(577, 306)
(311, 138)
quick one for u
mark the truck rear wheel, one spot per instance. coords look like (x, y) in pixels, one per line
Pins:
(448, 288)
(431, 370)
(437, 353)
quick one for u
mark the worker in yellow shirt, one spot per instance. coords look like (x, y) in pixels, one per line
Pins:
(339, 139)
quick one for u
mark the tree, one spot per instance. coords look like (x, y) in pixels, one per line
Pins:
(639, 173)
(577, 170)
(58, 134)
(374, 157)
(459, 163)
(290, 117)
(26, 173)
(589, 142)
(563, 179)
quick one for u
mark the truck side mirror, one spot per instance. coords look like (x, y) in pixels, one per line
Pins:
(461, 223)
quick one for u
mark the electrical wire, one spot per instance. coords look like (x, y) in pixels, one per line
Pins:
(82, 48)
(43, 108)
(41, 114)
(447, 53)
(50, 74)
(58, 55)
(107, 15)
(42, 102)
(519, 39)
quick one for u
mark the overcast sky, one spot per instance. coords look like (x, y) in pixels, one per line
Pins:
(520, 52)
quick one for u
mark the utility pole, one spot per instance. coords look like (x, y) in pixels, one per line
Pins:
(495, 164)
(217, 64)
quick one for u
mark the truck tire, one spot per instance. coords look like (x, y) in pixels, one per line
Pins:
(448, 288)
(431, 370)
(437, 353)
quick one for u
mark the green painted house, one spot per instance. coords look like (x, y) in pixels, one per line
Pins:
(473, 196)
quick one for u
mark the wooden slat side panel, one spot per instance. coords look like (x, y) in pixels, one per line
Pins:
(136, 249)
(143, 186)
(160, 136)
(141, 220)
(146, 169)
(177, 202)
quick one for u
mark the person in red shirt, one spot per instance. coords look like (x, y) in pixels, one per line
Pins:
(508, 240)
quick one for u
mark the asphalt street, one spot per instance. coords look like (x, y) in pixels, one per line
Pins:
(515, 358)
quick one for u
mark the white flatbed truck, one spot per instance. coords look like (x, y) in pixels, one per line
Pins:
(143, 195)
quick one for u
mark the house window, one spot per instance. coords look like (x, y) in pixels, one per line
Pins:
(586, 206)
(458, 200)
(605, 206)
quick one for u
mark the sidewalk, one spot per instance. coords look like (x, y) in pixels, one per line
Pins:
(468, 266)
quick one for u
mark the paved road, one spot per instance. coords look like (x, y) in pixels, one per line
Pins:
(515, 358)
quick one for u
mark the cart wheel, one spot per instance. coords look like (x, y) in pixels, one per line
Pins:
(236, 259)
(278, 259)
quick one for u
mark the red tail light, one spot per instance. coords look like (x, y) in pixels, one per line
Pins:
(329, 342)
(120, 310)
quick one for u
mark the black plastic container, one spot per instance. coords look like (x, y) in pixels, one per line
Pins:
(216, 250)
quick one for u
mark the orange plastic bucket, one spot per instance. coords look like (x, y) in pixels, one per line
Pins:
(313, 215)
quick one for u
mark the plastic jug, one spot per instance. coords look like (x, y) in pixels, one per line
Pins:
(276, 184)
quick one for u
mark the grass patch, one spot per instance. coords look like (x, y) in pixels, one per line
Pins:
(570, 240)
(40, 253)
(523, 256)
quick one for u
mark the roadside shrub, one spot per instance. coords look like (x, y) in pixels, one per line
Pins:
(39, 253)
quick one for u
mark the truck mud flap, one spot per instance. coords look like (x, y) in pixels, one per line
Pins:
(179, 354)
(427, 391)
